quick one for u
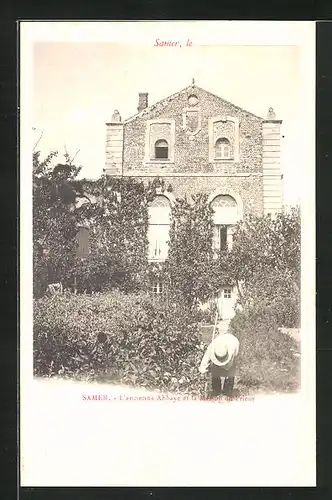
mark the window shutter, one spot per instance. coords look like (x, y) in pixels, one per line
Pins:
(83, 242)
(223, 237)
(216, 238)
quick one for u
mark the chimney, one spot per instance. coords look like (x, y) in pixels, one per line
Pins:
(142, 101)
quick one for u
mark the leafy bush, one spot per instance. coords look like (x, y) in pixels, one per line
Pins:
(284, 309)
(190, 252)
(268, 359)
(288, 311)
(208, 315)
(115, 210)
(117, 337)
(265, 264)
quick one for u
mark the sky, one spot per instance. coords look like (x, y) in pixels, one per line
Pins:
(77, 86)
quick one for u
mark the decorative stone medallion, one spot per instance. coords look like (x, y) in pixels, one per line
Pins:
(192, 100)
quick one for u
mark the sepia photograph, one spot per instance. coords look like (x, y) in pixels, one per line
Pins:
(167, 208)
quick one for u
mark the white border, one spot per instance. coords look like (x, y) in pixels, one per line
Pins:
(301, 473)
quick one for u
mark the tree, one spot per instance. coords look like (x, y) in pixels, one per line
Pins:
(265, 261)
(118, 222)
(55, 192)
(115, 210)
(190, 256)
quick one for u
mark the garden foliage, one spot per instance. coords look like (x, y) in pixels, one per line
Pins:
(265, 263)
(111, 329)
(117, 337)
(114, 210)
(189, 263)
(269, 361)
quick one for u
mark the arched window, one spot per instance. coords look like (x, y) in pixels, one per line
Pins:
(225, 216)
(223, 201)
(159, 220)
(223, 148)
(161, 149)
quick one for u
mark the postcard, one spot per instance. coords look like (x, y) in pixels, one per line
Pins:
(167, 253)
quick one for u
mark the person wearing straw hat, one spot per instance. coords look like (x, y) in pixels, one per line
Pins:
(220, 360)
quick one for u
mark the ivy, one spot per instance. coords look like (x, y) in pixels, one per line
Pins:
(264, 262)
(116, 212)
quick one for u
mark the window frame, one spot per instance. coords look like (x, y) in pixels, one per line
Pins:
(158, 231)
(219, 228)
(161, 148)
(157, 288)
(148, 160)
(235, 151)
(222, 143)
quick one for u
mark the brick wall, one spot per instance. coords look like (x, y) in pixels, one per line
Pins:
(191, 168)
(248, 187)
(191, 153)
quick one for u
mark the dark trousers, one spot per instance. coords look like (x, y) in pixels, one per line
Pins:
(227, 389)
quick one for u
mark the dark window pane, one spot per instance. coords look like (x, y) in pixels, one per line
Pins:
(223, 237)
(161, 152)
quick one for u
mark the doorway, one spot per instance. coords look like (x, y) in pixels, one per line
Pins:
(226, 303)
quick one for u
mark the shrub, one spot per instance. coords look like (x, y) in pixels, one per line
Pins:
(118, 337)
(288, 311)
(268, 359)
(285, 309)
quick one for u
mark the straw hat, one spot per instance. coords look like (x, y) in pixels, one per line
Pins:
(220, 355)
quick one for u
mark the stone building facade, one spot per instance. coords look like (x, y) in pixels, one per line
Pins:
(199, 142)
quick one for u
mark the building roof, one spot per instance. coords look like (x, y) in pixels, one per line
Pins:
(166, 100)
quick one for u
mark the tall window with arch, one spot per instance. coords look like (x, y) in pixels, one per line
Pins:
(225, 217)
(161, 149)
(223, 149)
(159, 222)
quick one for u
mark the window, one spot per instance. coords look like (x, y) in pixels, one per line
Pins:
(159, 220)
(222, 148)
(159, 141)
(83, 244)
(225, 215)
(158, 241)
(220, 236)
(157, 288)
(227, 293)
(161, 149)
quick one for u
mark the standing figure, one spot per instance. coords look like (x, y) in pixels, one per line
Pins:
(220, 360)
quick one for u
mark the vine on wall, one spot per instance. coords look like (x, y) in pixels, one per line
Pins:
(265, 259)
(116, 212)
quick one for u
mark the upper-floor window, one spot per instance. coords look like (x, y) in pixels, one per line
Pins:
(222, 148)
(159, 141)
(161, 149)
(224, 141)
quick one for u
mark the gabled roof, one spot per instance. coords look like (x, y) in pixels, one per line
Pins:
(165, 101)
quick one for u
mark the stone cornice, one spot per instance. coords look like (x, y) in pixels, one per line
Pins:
(272, 121)
(170, 174)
